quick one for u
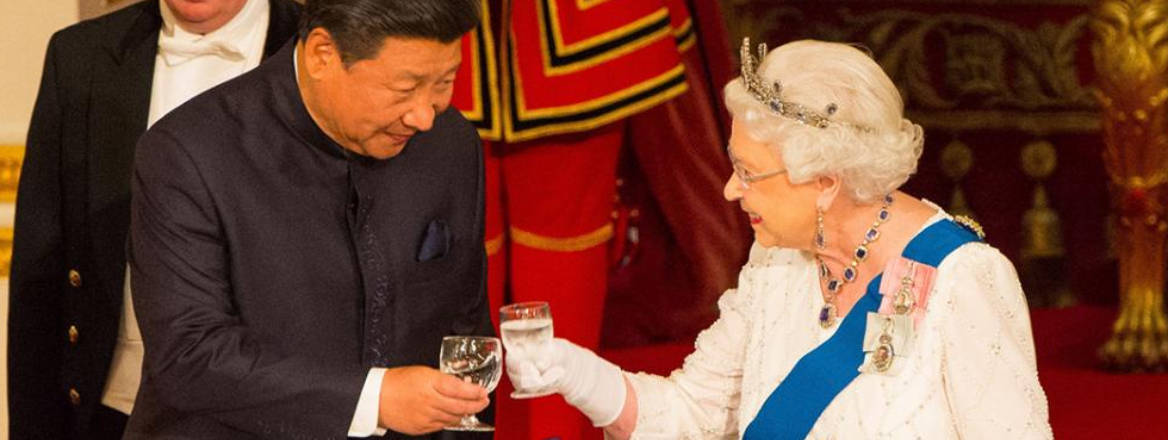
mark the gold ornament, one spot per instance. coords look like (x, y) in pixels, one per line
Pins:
(1131, 57)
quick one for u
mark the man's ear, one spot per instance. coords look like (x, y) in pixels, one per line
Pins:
(321, 53)
(829, 188)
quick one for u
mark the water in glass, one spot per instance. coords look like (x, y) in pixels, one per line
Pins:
(526, 326)
(474, 359)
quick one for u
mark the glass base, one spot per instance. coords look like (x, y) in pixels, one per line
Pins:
(470, 424)
(482, 427)
(530, 394)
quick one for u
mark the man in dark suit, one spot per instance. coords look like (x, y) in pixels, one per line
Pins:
(74, 359)
(304, 236)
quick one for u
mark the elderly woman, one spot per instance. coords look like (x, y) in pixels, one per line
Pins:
(862, 313)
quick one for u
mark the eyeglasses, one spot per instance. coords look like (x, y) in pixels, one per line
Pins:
(746, 177)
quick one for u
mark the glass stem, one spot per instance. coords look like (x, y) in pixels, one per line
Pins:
(470, 420)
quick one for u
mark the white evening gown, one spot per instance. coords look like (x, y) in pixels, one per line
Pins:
(971, 373)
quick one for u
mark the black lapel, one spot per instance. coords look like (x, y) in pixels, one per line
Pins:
(118, 111)
(283, 23)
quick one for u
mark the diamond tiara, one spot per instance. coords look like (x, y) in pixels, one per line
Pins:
(770, 95)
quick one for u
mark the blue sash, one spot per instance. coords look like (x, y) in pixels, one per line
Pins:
(793, 408)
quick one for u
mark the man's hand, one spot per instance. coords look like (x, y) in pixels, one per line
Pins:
(418, 400)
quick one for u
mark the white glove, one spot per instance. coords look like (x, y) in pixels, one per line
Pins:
(588, 382)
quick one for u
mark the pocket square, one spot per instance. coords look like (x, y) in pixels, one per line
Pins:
(435, 243)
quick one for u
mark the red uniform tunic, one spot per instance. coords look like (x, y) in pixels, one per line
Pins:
(549, 84)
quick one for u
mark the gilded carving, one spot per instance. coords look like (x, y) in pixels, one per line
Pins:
(1041, 227)
(1131, 57)
(10, 159)
(5, 251)
(956, 160)
(994, 74)
(979, 52)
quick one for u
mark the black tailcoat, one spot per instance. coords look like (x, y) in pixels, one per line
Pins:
(73, 214)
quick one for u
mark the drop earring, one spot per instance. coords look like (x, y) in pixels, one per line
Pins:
(820, 241)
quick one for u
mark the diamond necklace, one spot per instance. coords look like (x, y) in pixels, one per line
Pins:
(827, 315)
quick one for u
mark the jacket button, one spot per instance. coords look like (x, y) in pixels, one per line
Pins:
(74, 397)
(74, 278)
(73, 334)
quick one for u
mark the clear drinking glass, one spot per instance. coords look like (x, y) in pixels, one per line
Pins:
(526, 325)
(474, 359)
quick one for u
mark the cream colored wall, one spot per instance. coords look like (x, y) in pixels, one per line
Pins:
(94, 8)
(25, 28)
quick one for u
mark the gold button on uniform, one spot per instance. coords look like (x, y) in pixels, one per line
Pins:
(74, 278)
(74, 397)
(73, 334)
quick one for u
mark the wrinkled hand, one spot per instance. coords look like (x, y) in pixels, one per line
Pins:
(591, 384)
(417, 400)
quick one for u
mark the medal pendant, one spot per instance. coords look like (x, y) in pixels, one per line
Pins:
(904, 302)
(882, 357)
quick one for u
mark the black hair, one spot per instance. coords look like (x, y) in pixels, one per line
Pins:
(359, 27)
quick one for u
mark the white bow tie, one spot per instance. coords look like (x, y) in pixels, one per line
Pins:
(175, 51)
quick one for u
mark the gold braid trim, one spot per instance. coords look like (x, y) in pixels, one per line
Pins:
(494, 245)
(570, 244)
(685, 36)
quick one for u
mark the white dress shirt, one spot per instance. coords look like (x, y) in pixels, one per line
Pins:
(971, 373)
(186, 65)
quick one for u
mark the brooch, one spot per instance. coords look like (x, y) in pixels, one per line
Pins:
(970, 224)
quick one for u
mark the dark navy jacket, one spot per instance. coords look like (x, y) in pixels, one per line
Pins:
(272, 268)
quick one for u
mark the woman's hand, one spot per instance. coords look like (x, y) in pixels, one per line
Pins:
(591, 384)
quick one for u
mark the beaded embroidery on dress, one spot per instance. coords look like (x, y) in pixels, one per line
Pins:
(974, 341)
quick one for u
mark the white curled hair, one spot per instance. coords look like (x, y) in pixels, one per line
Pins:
(817, 74)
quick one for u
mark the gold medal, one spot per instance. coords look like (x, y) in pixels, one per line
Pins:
(884, 354)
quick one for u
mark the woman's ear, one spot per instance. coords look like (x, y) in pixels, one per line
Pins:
(829, 189)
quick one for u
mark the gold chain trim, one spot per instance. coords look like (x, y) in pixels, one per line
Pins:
(570, 244)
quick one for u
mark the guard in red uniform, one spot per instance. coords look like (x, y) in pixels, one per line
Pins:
(550, 84)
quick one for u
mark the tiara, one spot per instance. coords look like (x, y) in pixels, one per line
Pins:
(771, 94)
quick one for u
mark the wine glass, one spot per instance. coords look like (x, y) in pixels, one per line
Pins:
(474, 359)
(525, 326)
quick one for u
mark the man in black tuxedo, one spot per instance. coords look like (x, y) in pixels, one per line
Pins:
(74, 359)
(304, 236)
